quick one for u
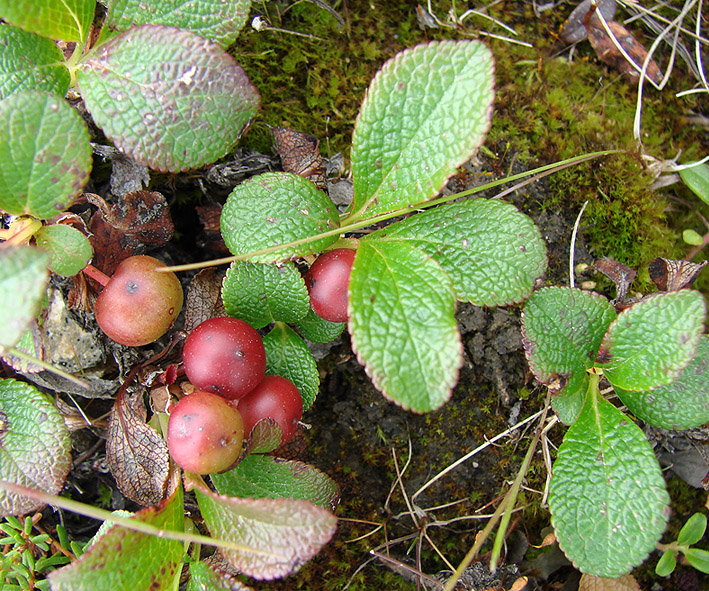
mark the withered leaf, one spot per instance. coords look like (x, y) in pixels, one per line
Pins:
(209, 217)
(609, 53)
(671, 275)
(204, 297)
(300, 154)
(618, 273)
(138, 219)
(137, 455)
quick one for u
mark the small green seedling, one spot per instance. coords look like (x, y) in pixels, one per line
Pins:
(691, 533)
(608, 499)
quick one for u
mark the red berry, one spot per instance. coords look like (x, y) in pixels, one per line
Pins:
(139, 304)
(327, 281)
(276, 398)
(204, 433)
(225, 356)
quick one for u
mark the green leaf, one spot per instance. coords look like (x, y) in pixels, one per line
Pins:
(272, 209)
(319, 330)
(693, 530)
(126, 560)
(23, 283)
(260, 294)
(205, 577)
(698, 558)
(682, 404)
(169, 99)
(30, 62)
(697, 179)
(425, 113)
(492, 252)
(649, 344)
(45, 151)
(607, 495)
(68, 20)
(260, 476)
(402, 324)
(69, 248)
(562, 329)
(281, 534)
(35, 450)
(217, 20)
(667, 563)
(288, 356)
(692, 237)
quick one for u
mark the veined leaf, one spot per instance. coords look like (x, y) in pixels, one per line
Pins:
(263, 293)
(217, 20)
(35, 450)
(681, 404)
(69, 248)
(127, 560)
(30, 62)
(401, 318)
(697, 179)
(277, 208)
(288, 356)
(45, 151)
(492, 252)
(425, 113)
(168, 98)
(562, 329)
(69, 20)
(23, 283)
(649, 344)
(607, 498)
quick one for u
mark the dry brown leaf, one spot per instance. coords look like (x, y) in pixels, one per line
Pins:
(300, 154)
(137, 220)
(671, 275)
(609, 53)
(209, 217)
(624, 583)
(136, 454)
(204, 297)
(618, 273)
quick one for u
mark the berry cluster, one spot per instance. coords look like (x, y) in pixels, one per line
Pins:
(224, 358)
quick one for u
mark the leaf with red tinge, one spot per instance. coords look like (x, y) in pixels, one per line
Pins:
(127, 560)
(35, 450)
(136, 453)
(281, 534)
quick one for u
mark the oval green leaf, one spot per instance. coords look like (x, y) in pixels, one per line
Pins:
(167, 98)
(607, 495)
(425, 113)
(693, 530)
(30, 62)
(697, 178)
(281, 534)
(266, 477)
(288, 356)
(69, 248)
(273, 209)
(562, 329)
(402, 323)
(45, 151)
(69, 20)
(492, 252)
(650, 343)
(682, 404)
(261, 293)
(319, 330)
(217, 20)
(35, 450)
(698, 558)
(667, 563)
(127, 560)
(23, 283)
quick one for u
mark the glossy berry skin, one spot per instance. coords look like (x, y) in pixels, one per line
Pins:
(327, 281)
(277, 398)
(204, 433)
(224, 356)
(139, 304)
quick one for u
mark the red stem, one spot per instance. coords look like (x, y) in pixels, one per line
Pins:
(96, 275)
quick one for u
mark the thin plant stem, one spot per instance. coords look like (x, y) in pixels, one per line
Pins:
(572, 248)
(46, 366)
